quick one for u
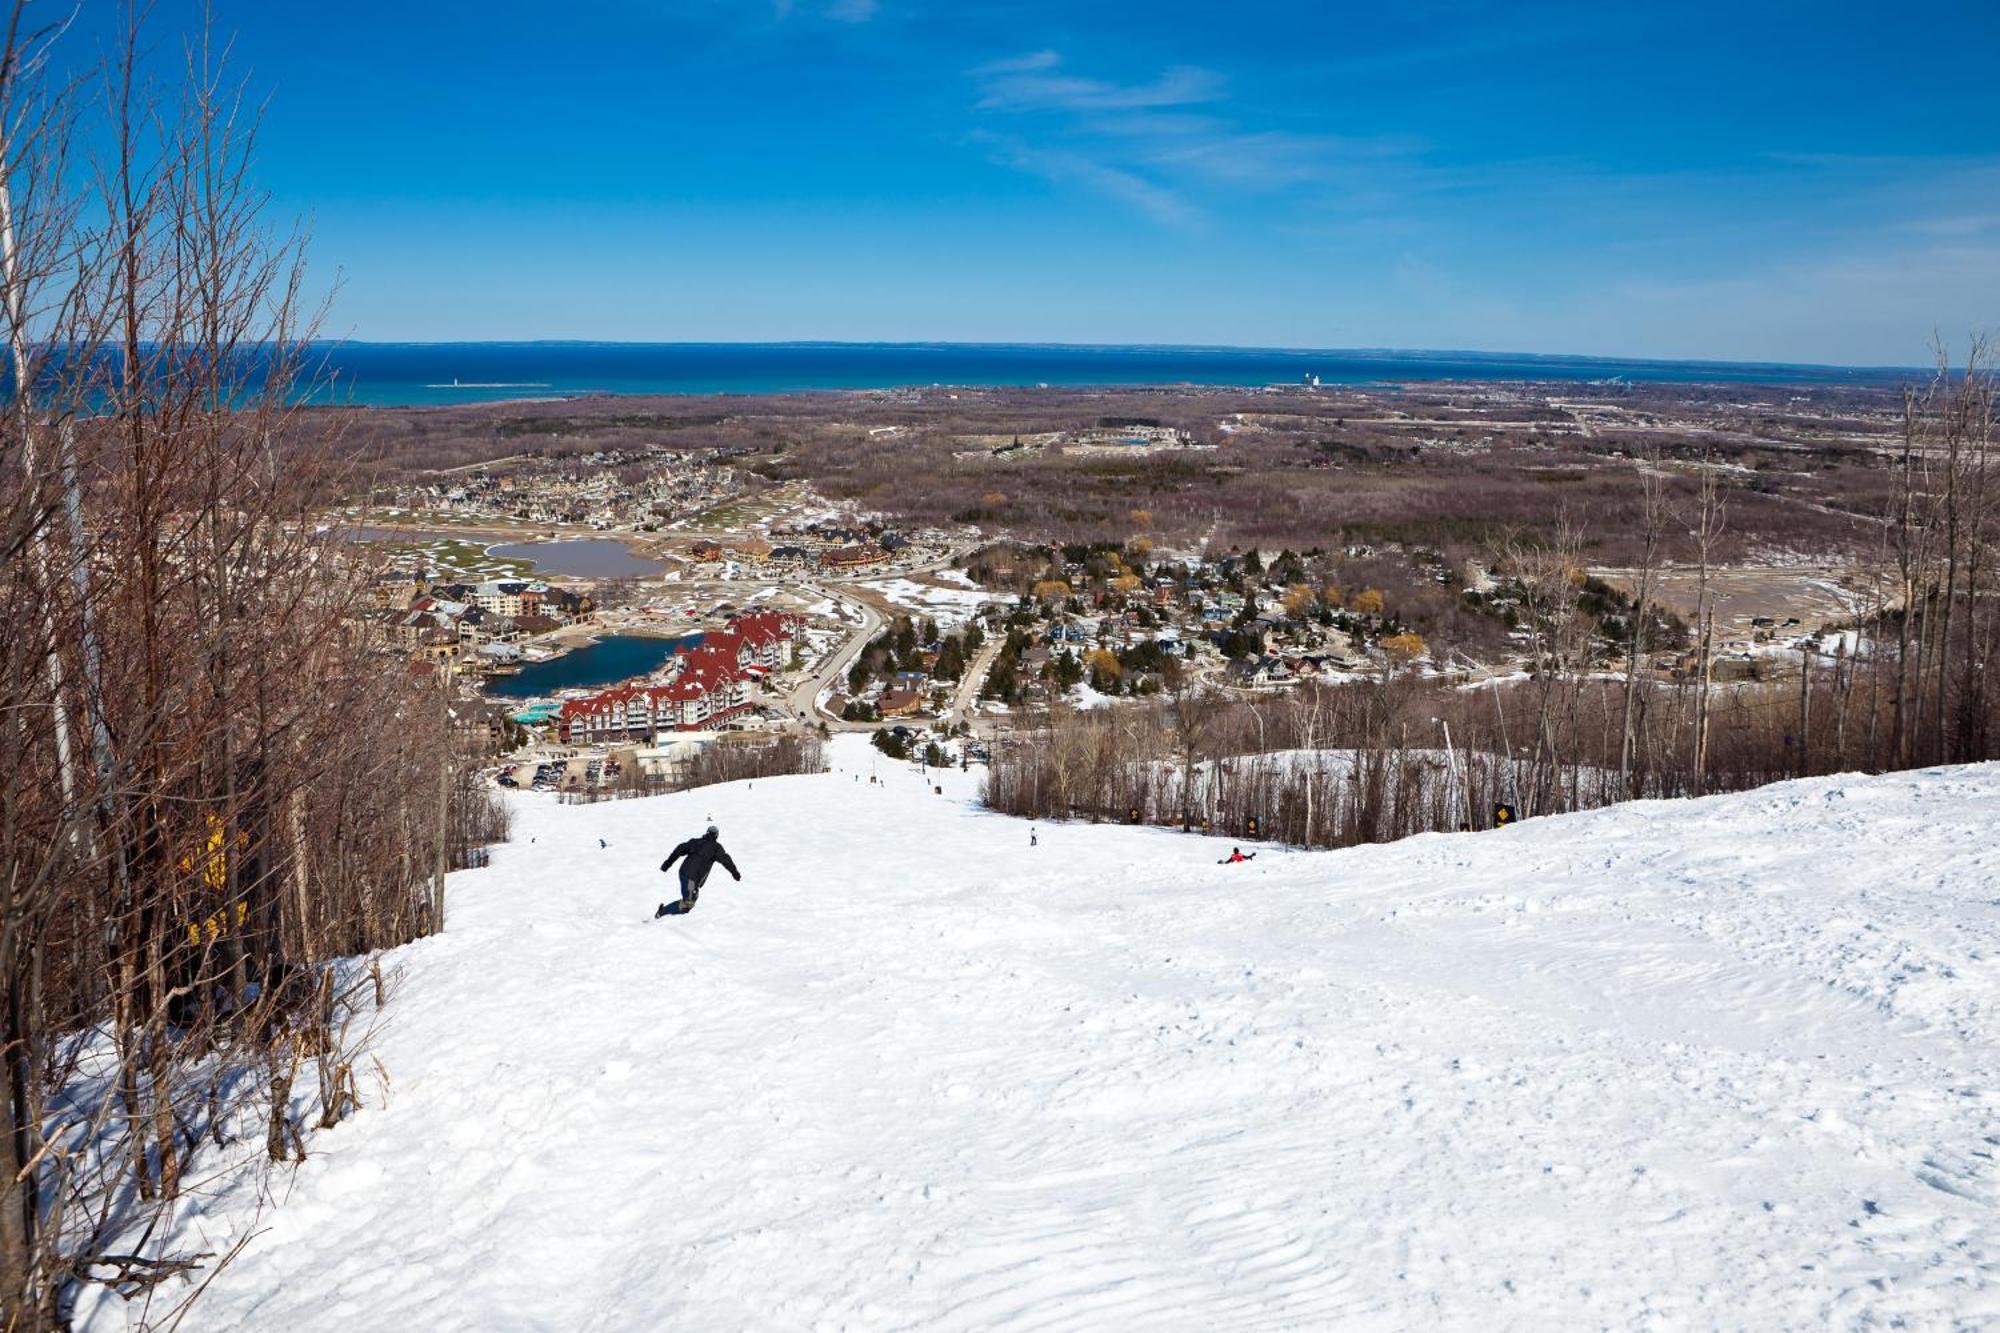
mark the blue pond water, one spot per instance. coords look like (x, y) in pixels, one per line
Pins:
(606, 662)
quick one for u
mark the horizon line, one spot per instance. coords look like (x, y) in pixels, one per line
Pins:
(1264, 349)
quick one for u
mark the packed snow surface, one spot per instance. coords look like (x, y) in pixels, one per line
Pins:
(1717, 1063)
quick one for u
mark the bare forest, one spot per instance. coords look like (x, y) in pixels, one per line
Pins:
(212, 794)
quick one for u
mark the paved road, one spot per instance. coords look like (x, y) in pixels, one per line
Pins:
(803, 700)
(975, 675)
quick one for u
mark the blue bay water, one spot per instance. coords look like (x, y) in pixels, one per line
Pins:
(605, 662)
(431, 374)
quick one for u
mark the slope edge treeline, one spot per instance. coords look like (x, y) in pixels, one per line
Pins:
(211, 792)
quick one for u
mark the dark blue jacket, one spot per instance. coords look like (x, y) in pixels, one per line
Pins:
(702, 853)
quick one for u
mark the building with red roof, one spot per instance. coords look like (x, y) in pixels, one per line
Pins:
(711, 683)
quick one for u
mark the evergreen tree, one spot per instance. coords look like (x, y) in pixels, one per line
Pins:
(1000, 682)
(950, 661)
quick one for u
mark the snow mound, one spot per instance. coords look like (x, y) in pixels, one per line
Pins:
(1716, 1063)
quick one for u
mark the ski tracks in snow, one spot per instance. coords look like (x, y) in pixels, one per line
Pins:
(1678, 1065)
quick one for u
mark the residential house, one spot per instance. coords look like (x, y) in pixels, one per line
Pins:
(898, 703)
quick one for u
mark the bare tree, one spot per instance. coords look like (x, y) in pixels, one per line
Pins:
(1306, 712)
(1706, 528)
(188, 720)
(1653, 510)
(1192, 708)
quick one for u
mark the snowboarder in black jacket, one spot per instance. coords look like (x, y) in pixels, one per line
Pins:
(697, 857)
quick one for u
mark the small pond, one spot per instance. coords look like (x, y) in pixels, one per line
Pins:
(606, 662)
(588, 557)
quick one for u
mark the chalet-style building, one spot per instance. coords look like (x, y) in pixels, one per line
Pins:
(711, 684)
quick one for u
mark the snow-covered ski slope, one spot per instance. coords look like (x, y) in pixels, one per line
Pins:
(1727, 1063)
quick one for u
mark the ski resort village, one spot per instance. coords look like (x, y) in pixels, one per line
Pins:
(553, 786)
(869, 917)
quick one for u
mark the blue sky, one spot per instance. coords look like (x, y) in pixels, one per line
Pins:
(1758, 181)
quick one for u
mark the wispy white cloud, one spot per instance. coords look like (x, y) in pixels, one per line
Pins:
(1755, 253)
(1034, 82)
(1264, 160)
(1068, 167)
(839, 11)
(1166, 144)
(1034, 60)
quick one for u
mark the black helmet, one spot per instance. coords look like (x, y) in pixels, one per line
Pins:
(711, 832)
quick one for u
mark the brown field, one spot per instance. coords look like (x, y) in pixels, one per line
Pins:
(1451, 468)
(1820, 598)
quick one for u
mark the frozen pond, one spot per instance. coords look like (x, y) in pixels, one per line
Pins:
(588, 557)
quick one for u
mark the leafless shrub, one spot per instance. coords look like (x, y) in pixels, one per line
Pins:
(792, 752)
(735, 760)
(214, 790)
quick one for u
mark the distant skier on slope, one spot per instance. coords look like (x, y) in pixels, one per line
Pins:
(697, 857)
(1235, 855)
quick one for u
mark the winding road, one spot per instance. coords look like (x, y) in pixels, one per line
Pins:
(803, 699)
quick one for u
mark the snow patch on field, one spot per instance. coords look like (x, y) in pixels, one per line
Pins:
(1718, 1063)
(949, 606)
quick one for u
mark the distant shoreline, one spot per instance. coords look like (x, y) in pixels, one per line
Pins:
(401, 374)
(498, 384)
(1228, 349)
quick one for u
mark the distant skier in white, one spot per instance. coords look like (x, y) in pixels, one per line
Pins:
(697, 857)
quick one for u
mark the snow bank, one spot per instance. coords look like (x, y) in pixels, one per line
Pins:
(1728, 1062)
(1082, 696)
